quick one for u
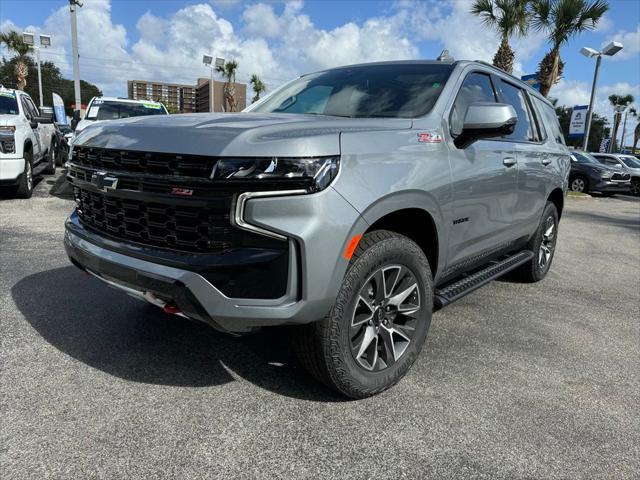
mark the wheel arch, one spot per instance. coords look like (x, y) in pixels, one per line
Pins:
(557, 198)
(415, 223)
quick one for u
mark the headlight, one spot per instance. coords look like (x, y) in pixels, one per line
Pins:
(316, 172)
(605, 175)
(7, 128)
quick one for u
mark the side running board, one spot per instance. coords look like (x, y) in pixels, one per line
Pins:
(459, 288)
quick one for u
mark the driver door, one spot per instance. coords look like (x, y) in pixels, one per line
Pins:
(484, 182)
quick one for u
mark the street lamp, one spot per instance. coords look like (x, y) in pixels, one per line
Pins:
(209, 61)
(609, 50)
(45, 41)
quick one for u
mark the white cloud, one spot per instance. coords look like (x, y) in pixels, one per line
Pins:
(630, 41)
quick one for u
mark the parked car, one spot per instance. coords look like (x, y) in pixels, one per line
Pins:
(350, 202)
(628, 163)
(116, 108)
(62, 139)
(589, 175)
(25, 141)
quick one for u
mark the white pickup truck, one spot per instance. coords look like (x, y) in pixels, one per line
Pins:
(25, 141)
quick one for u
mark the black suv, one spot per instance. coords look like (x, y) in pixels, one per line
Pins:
(588, 174)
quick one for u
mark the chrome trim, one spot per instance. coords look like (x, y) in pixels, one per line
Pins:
(238, 211)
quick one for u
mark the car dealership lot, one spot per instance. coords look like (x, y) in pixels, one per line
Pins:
(516, 381)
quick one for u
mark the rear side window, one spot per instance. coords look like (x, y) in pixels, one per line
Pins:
(477, 87)
(550, 120)
(515, 97)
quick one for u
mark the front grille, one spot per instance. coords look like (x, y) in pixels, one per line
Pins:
(144, 162)
(179, 227)
(620, 176)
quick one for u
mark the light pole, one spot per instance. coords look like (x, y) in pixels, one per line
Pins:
(212, 64)
(74, 54)
(45, 41)
(610, 50)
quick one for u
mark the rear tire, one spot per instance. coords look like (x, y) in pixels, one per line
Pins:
(25, 184)
(379, 322)
(543, 245)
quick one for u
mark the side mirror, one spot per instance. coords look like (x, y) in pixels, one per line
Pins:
(618, 165)
(486, 120)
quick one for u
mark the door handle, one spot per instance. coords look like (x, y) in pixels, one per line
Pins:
(509, 161)
(546, 161)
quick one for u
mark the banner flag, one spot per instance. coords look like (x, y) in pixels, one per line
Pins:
(58, 108)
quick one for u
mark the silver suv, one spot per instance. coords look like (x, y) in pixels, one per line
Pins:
(351, 202)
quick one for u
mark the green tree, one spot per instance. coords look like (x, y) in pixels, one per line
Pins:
(561, 20)
(619, 104)
(508, 18)
(14, 42)
(258, 87)
(228, 71)
(52, 81)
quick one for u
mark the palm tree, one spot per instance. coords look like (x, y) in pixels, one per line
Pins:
(561, 20)
(13, 40)
(228, 71)
(508, 17)
(258, 87)
(619, 103)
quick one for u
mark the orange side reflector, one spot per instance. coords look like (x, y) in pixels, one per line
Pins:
(353, 244)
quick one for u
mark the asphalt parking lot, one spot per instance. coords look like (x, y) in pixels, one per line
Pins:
(516, 381)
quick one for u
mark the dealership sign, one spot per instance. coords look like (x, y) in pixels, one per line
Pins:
(578, 121)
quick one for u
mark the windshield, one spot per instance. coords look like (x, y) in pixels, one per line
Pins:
(583, 157)
(629, 161)
(390, 90)
(8, 104)
(113, 110)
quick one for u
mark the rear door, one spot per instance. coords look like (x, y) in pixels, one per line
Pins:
(484, 179)
(534, 161)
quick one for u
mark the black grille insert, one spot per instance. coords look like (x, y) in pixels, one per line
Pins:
(620, 176)
(179, 227)
(144, 162)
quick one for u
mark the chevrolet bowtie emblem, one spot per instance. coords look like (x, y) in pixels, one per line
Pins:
(104, 181)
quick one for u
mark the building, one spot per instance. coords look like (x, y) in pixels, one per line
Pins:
(203, 97)
(177, 97)
(185, 98)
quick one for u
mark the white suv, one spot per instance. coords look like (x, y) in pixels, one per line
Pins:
(25, 141)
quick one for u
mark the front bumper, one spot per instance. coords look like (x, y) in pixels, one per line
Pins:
(10, 170)
(609, 186)
(316, 226)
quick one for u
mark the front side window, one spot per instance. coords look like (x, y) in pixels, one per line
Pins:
(514, 96)
(477, 87)
(364, 91)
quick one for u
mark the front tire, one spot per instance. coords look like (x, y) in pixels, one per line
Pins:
(25, 184)
(635, 188)
(543, 245)
(51, 161)
(579, 184)
(379, 322)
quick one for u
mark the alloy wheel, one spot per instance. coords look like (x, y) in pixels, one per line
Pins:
(635, 188)
(577, 185)
(547, 244)
(385, 317)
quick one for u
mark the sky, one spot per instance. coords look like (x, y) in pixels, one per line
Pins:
(164, 40)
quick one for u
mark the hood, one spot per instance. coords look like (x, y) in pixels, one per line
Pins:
(243, 134)
(7, 119)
